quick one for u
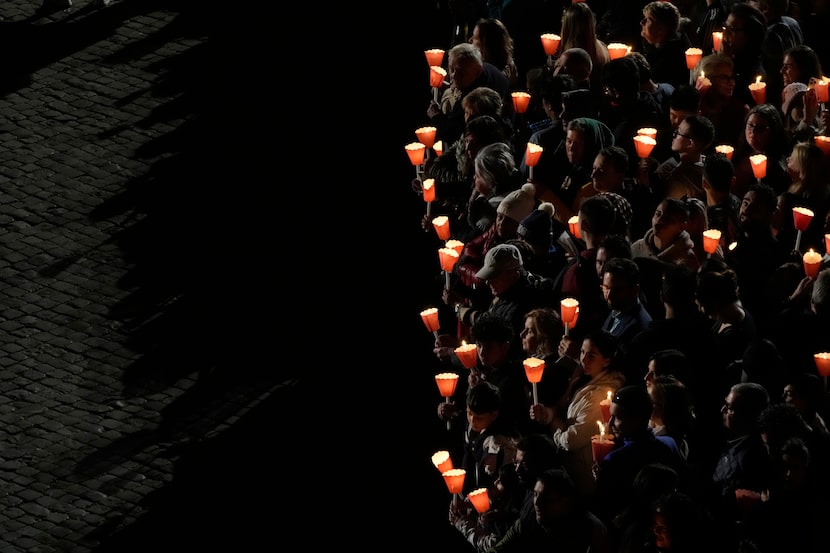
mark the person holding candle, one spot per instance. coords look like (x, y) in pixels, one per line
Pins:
(722, 206)
(493, 39)
(800, 109)
(578, 30)
(572, 430)
(808, 188)
(680, 174)
(673, 414)
(711, 20)
(743, 37)
(662, 93)
(783, 33)
(800, 64)
(664, 45)
(718, 101)
(668, 240)
(763, 134)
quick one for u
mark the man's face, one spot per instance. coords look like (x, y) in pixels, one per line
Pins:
(462, 73)
(619, 294)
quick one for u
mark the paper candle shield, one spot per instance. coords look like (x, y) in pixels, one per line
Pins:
(822, 363)
(521, 100)
(534, 369)
(823, 142)
(759, 165)
(480, 500)
(617, 50)
(436, 76)
(822, 93)
(435, 56)
(448, 258)
(532, 154)
(599, 449)
(429, 190)
(550, 42)
(573, 226)
(711, 239)
(802, 217)
(415, 150)
(644, 145)
(693, 56)
(717, 37)
(442, 461)
(454, 479)
(758, 90)
(426, 136)
(812, 263)
(430, 318)
(567, 310)
(725, 149)
(438, 148)
(442, 226)
(456, 245)
(467, 355)
(648, 131)
(446, 383)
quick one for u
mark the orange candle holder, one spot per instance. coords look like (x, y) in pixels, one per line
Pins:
(446, 384)
(726, 150)
(567, 310)
(550, 42)
(415, 151)
(812, 263)
(442, 461)
(438, 148)
(823, 142)
(429, 193)
(693, 56)
(601, 446)
(448, 258)
(644, 145)
(648, 131)
(802, 217)
(822, 363)
(822, 92)
(521, 101)
(717, 38)
(759, 165)
(436, 76)
(480, 500)
(430, 318)
(532, 154)
(456, 245)
(442, 227)
(711, 240)
(435, 56)
(454, 479)
(758, 90)
(533, 370)
(426, 136)
(573, 226)
(467, 354)
(618, 50)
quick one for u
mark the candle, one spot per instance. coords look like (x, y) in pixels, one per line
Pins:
(801, 220)
(618, 50)
(725, 149)
(448, 257)
(532, 154)
(415, 150)
(711, 240)
(521, 100)
(436, 79)
(601, 445)
(429, 193)
(693, 56)
(648, 131)
(467, 354)
(759, 91)
(550, 42)
(822, 94)
(568, 308)
(430, 318)
(534, 369)
(822, 363)
(442, 227)
(438, 148)
(644, 145)
(605, 409)
(717, 37)
(812, 263)
(823, 142)
(573, 226)
(703, 81)
(426, 136)
(454, 479)
(480, 499)
(442, 461)
(446, 386)
(759, 165)
(435, 56)
(456, 245)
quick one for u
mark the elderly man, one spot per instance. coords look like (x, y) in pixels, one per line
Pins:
(467, 71)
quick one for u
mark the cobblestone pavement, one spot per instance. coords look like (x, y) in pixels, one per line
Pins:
(125, 373)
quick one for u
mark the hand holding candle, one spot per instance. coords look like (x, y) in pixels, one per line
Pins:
(534, 369)
(446, 387)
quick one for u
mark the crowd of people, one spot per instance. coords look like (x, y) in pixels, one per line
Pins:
(681, 405)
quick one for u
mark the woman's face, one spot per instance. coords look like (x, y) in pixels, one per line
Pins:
(475, 40)
(591, 358)
(574, 146)
(506, 227)
(793, 167)
(530, 336)
(666, 226)
(757, 132)
(789, 71)
(482, 186)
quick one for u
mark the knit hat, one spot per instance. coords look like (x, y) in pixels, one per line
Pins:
(536, 228)
(501, 258)
(518, 204)
(790, 96)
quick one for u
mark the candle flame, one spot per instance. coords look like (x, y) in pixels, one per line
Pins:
(758, 79)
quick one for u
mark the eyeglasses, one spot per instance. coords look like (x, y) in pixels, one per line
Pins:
(728, 30)
(753, 128)
(677, 133)
(722, 78)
